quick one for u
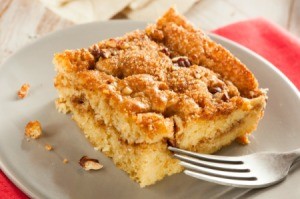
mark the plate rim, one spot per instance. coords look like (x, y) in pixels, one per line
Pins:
(28, 190)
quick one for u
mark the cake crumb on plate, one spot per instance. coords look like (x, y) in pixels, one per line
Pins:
(22, 93)
(48, 147)
(33, 129)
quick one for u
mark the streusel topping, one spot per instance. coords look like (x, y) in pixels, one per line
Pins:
(155, 71)
(148, 77)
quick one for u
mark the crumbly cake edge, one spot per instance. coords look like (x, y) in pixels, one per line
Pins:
(101, 137)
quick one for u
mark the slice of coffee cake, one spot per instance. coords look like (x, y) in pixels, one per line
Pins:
(166, 85)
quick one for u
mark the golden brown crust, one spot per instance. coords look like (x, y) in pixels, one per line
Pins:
(73, 60)
(155, 82)
(181, 37)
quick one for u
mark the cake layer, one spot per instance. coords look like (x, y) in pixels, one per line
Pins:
(203, 135)
(194, 134)
(145, 163)
(110, 106)
(208, 136)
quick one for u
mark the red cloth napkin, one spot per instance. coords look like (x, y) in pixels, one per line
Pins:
(267, 39)
(270, 41)
(9, 190)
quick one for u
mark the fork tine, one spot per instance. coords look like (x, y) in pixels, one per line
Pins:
(213, 172)
(213, 165)
(214, 158)
(242, 183)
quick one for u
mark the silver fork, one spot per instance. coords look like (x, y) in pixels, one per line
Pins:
(249, 171)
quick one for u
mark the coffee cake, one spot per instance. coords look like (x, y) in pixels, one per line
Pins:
(169, 84)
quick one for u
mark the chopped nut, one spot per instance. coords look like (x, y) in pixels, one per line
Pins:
(104, 53)
(48, 147)
(33, 129)
(22, 93)
(181, 61)
(97, 52)
(65, 161)
(127, 90)
(214, 90)
(89, 164)
(165, 51)
(225, 97)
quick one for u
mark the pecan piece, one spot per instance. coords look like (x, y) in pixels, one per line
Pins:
(225, 97)
(97, 52)
(166, 51)
(182, 61)
(214, 90)
(89, 164)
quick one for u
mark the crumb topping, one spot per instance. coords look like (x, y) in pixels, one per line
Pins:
(145, 76)
(22, 93)
(181, 37)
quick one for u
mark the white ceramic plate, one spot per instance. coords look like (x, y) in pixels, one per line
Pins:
(41, 174)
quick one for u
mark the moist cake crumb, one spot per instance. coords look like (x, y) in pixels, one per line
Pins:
(22, 93)
(33, 129)
(48, 147)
